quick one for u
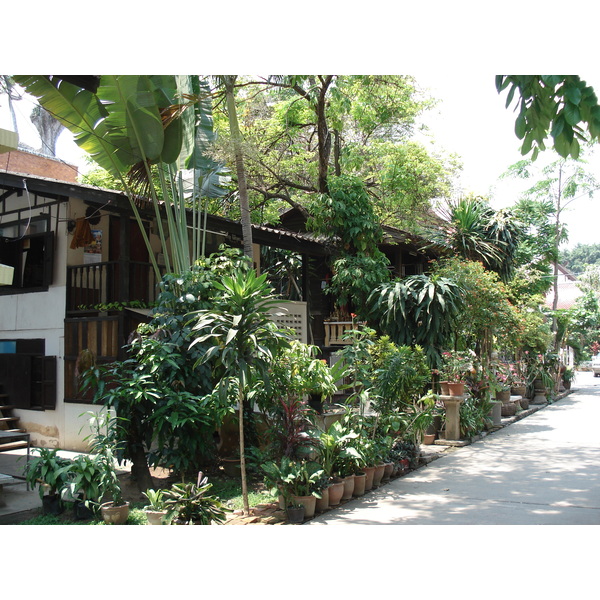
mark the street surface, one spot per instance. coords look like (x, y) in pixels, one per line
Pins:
(542, 470)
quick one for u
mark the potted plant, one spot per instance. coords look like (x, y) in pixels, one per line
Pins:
(190, 504)
(304, 485)
(50, 473)
(568, 376)
(83, 485)
(456, 367)
(332, 443)
(156, 509)
(297, 483)
(114, 509)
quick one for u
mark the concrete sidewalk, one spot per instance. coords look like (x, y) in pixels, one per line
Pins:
(542, 470)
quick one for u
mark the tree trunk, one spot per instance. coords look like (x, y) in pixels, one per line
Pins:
(323, 135)
(234, 128)
(242, 455)
(140, 471)
(48, 128)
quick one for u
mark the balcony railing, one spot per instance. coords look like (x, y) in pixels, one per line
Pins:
(107, 282)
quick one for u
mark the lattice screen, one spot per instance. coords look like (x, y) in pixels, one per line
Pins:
(295, 317)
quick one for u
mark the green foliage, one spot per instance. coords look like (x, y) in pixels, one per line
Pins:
(294, 373)
(156, 499)
(418, 310)
(103, 443)
(84, 478)
(190, 503)
(561, 106)
(167, 410)
(472, 230)
(47, 471)
(294, 478)
(346, 215)
(144, 130)
(487, 316)
(581, 256)
(399, 379)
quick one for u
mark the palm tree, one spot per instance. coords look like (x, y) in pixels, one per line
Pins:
(472, 229)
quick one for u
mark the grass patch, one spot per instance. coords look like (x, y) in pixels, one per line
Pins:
(229, 490)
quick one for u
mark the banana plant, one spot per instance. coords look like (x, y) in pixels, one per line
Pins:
(150, 129)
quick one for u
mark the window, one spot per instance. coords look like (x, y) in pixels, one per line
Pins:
(31, 255)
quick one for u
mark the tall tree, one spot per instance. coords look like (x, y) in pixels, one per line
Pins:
(559, 184)
(301, 130)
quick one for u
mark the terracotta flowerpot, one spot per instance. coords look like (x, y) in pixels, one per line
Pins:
(370, 474)
(428, 438)
(336, 490)
(309, 503)
(322, 503)
(456, 388)
(348, 487)
(379, 470)
(387, 473)
(360, 480)
(114, 515)
(444, 389)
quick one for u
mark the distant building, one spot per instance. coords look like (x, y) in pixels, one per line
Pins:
(568, 291)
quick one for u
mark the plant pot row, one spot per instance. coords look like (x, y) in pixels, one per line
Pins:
(343, 489)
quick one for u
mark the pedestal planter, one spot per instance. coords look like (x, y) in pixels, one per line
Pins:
(309, 503)
(539, 396)
(322, 503)
(378, 476)
(336, 490)
(452, 405)
(348, 487)
(370, 474)
(496, 413)
(360, 480)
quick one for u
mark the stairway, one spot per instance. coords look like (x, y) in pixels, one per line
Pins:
(9, 424)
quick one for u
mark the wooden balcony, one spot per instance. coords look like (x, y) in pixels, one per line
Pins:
(105, 282)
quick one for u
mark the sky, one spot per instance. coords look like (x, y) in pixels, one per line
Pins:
(475, 125)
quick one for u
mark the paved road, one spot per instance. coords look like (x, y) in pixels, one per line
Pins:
(542, 470)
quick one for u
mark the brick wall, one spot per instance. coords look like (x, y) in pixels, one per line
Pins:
(20, 161)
